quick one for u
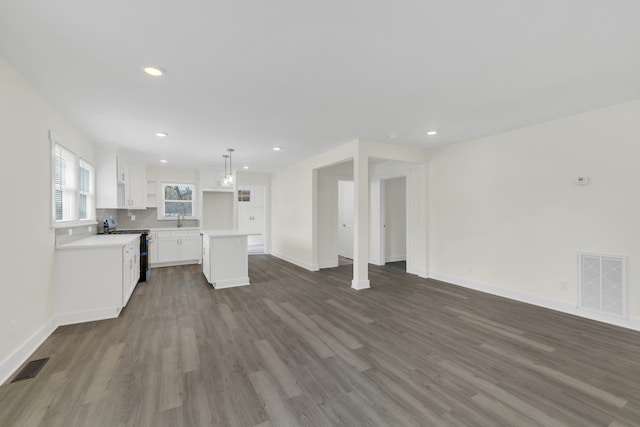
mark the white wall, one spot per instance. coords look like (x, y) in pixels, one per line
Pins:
(217, 210)
(395, 219)
(416, 243)
(295, 237)
(328, 211)
(170, 174)
(506, 214)
(27, 279)
(294, 197)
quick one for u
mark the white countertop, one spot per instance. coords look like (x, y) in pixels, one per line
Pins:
(226, 233)
(101, 241)
(174, 229)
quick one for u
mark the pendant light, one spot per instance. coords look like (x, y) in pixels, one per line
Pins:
(229, 179)
(224, 180)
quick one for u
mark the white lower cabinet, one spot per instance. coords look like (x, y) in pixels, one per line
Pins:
(168, 248)
(130, 270)
(96, 282)
(177, 247)
(206, 258)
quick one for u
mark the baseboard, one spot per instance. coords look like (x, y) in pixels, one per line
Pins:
(328, 264)
(423, 274)
(87, 316)
(12, 362)
(360, 284)
(231, 283)
(299, 263)
(174, 263)
(631, 323)
(395, 258)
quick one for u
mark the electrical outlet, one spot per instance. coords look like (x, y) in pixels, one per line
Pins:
(12, 327)
(89, 229)
(564, 286)
(71, 232)
(133, 217)
(470, 268)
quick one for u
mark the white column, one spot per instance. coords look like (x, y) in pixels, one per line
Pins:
(361, 221)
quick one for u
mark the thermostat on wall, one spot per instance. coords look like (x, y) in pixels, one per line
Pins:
(582, 180)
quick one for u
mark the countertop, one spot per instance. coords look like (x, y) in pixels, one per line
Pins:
(226, 233)
(101, 241)
(174, 229)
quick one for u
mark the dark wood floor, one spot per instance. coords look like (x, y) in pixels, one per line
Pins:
(302, 348)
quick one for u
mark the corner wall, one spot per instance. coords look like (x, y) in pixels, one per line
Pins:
(507, 216)
(328, 211)
(294, 201)
(27, 276)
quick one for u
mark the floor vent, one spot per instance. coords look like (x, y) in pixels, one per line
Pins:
(30, 370)
(603, 283)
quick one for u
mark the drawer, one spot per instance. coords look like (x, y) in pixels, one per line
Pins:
(162, 234)
(130, 249)
(194, 233)
(182, 233)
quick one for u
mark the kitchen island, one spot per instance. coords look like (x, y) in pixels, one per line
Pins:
(224, 258)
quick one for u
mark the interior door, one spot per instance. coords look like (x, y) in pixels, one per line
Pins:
(345, 218)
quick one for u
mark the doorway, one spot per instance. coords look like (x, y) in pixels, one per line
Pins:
(217, 210)
(394, 222)
(345, 219)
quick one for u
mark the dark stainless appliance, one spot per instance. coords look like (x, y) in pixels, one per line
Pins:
(144, 250)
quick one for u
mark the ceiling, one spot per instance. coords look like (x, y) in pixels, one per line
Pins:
(309, 76)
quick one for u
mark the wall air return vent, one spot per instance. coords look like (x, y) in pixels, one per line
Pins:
(603, 283)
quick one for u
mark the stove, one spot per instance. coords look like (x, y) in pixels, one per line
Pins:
(144, 246)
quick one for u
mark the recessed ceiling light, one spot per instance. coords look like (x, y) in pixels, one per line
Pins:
(393, 135)
(154, 71)
(163, 161)
(276, 148)
(245, 167)
(161, 134)
(432, 132)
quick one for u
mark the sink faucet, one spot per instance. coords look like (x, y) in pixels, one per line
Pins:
(180, 220)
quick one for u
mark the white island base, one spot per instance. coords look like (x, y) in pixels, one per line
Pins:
(224, 258)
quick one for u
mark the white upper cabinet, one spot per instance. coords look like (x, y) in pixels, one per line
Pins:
(109, 177)
(136, 187)
(118, 184)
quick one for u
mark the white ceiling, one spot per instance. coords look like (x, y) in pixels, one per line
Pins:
(312, 75)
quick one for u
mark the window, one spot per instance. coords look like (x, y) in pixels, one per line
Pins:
(64, 183)
(73, 192)
(87, 190)
(177, 200)
(244, 195)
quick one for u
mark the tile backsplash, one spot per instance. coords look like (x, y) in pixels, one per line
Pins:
(144, 218)
(77, 233)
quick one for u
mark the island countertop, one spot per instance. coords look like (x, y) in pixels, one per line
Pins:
(226, 233)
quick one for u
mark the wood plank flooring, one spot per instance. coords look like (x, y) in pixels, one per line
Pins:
(299, 348)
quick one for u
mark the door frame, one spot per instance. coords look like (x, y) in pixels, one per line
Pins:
(337, 212)
(383, 234)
